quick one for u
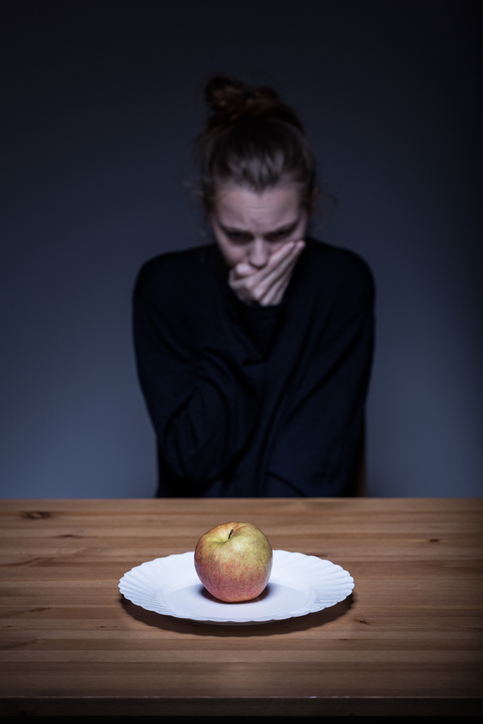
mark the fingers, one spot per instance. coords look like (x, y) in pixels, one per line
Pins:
(286, 249)
(275, 294)
(267, 285)
(278, 257)
(278, 283)
(278, 277)
(279, 263)
(242, 270)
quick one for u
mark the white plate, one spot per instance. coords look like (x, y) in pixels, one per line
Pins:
(298, 585)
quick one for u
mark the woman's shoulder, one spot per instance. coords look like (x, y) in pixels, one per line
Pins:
(171, 270)
(171, 261)
(339, 268)
(337, 258)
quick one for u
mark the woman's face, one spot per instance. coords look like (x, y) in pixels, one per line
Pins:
(249, 227)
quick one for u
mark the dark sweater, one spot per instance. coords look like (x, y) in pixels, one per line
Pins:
(251, 401)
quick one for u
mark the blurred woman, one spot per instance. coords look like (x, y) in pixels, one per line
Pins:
(254, 352)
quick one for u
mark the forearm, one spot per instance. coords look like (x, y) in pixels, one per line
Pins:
(203, 425)
(203, 404)
(317, 444)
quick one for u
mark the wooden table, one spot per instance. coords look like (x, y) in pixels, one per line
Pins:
(408, 640)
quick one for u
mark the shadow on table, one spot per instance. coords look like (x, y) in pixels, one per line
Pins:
(289, 625)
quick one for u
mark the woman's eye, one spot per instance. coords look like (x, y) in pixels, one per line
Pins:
(279, 235)
(239, 237)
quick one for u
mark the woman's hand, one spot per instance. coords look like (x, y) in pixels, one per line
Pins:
(266, 286)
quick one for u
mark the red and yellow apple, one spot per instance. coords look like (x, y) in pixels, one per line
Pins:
(233, 561)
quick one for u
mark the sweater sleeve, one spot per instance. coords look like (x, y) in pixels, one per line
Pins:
(201, 374)
(318, 438)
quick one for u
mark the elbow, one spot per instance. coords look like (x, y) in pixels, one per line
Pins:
(198, 465)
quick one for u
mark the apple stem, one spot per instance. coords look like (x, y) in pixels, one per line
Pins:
(230, 534)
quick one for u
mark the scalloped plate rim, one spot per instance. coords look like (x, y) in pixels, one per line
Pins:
(147, 600)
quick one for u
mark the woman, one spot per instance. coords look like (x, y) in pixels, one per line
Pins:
(254, 353)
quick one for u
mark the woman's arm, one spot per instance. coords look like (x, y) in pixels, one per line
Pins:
(317, 440)
(202, 378)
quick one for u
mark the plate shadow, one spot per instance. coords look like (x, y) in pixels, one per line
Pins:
(200, 628)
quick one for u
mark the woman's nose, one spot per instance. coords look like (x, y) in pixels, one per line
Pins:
(259, 253)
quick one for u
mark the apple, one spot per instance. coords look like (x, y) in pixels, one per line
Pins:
(233, 561)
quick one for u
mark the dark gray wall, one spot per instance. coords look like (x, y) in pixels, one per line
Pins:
(99, 111)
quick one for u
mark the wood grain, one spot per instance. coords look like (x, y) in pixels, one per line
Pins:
(407, 641)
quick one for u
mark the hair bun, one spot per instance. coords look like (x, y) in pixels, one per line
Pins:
(229, 99)
(222, 92)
